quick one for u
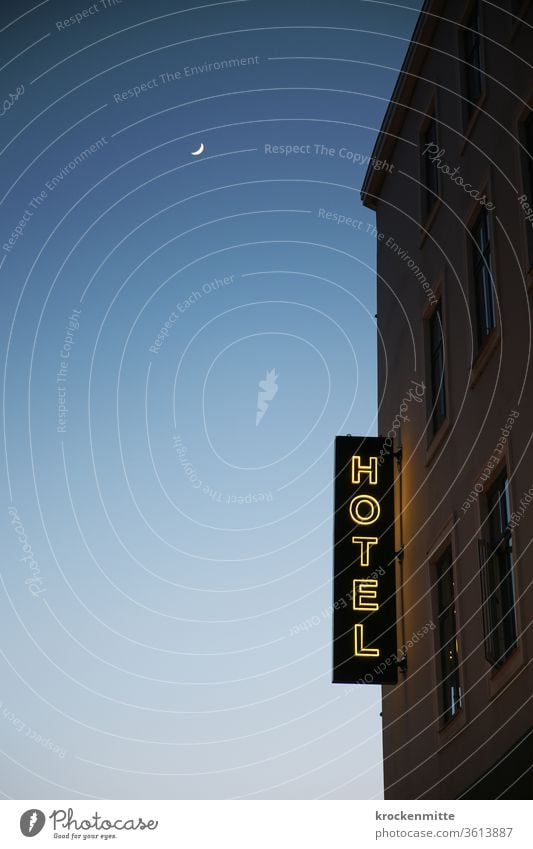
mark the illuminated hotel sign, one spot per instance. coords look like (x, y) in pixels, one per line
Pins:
(364, 583)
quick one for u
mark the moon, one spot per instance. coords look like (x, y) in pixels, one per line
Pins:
(199, 151)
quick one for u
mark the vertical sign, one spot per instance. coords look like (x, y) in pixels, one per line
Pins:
(364, 581)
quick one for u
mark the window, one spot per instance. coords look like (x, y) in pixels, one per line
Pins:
(485, 320)
(430, 173)
(526, 199)
(496, 561)
(450, 685)
(472, 60)
(528, 144)
(436, 353)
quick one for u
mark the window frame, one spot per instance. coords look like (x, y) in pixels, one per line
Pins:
(450, 706)
(497, 582)
(438, 395)
(481, 262)
(473, 76)
(430, 193)
(469, 109)
(525, 178)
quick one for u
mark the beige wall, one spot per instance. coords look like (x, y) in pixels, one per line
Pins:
(421, 757)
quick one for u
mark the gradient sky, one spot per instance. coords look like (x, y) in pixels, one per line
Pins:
(168, 634)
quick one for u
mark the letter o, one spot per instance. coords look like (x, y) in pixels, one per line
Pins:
(372, 506)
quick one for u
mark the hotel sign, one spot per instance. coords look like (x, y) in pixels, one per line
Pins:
(364, 582)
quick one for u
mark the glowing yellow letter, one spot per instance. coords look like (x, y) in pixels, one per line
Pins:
(358, 469)
(360, 650)
(365, 589)
(365, 543)
(372, 505)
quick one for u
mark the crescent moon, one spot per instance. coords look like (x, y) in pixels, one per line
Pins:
(199, 151)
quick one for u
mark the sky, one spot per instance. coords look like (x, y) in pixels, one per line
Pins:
(188, 320)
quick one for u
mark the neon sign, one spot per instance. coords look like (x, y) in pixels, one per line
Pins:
(364, 583)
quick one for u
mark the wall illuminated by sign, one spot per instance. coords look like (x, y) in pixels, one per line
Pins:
(364, 581)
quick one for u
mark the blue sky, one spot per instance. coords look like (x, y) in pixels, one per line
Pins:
(167, 561)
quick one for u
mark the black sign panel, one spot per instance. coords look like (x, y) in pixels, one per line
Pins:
(364, 581)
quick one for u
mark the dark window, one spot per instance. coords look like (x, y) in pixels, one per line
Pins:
(450, 684)
(472, 60)
(526, 137)
(499, 616)
(483, 289)
(438, 389)
(528, 143)
(430, 173)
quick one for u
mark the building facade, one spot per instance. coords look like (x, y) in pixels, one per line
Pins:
(454, 237)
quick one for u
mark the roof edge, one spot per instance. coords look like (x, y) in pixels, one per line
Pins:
(400, 98)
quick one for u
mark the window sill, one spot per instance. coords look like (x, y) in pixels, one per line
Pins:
(436, 443)
(481, 360)
(500, 677)
(425, 225)
(472, 120)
